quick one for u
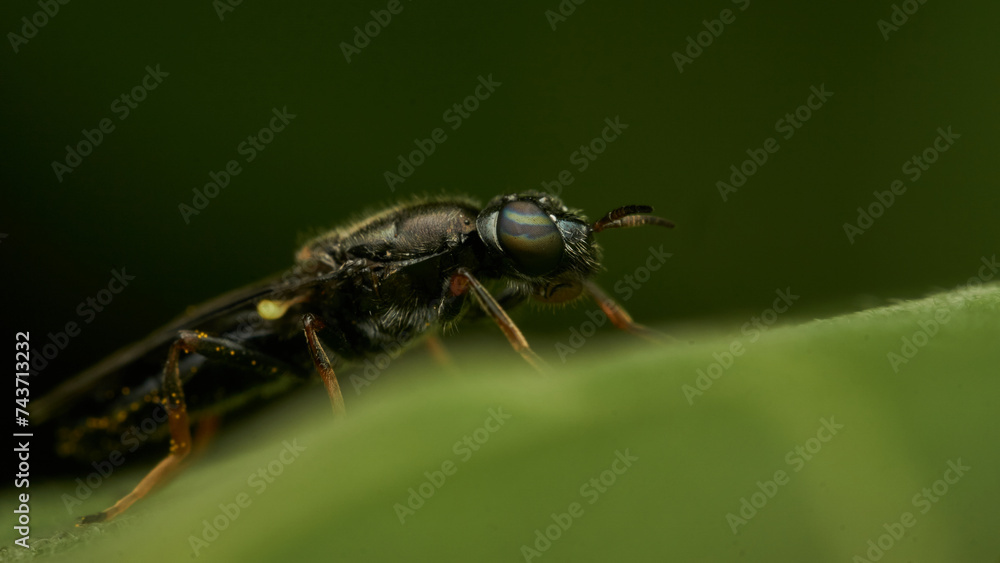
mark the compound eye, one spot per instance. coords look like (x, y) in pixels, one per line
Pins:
(530, 238)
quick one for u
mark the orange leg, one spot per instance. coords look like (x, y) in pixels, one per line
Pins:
(493, 309)
(180, 440)
(439, 353)
(207, 427)
(172, 396)
(312, 326)
(619, 316)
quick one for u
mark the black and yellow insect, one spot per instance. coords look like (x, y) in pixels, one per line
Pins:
(383, 281)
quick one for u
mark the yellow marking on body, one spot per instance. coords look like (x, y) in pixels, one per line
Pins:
(126, 390)
(134, 406)
(270, 310)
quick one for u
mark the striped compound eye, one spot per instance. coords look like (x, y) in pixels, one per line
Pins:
(530, 238)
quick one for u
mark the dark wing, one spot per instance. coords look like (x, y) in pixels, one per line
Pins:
(105, 370)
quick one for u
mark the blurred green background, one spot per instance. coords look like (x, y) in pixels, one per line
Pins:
(119, 208)
(783, 228)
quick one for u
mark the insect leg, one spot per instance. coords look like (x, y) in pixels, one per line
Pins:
(204, 433)
(172, 394)
(312, 325)
(507, 298)
(618, 315)
(493, 309)
(438, 351)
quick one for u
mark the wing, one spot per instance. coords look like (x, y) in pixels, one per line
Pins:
(107, 370)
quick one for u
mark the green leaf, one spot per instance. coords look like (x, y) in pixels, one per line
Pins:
(760, 431)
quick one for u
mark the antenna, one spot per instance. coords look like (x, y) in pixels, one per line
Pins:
(629, 216)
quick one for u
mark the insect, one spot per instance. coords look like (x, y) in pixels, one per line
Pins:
(387, 279)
